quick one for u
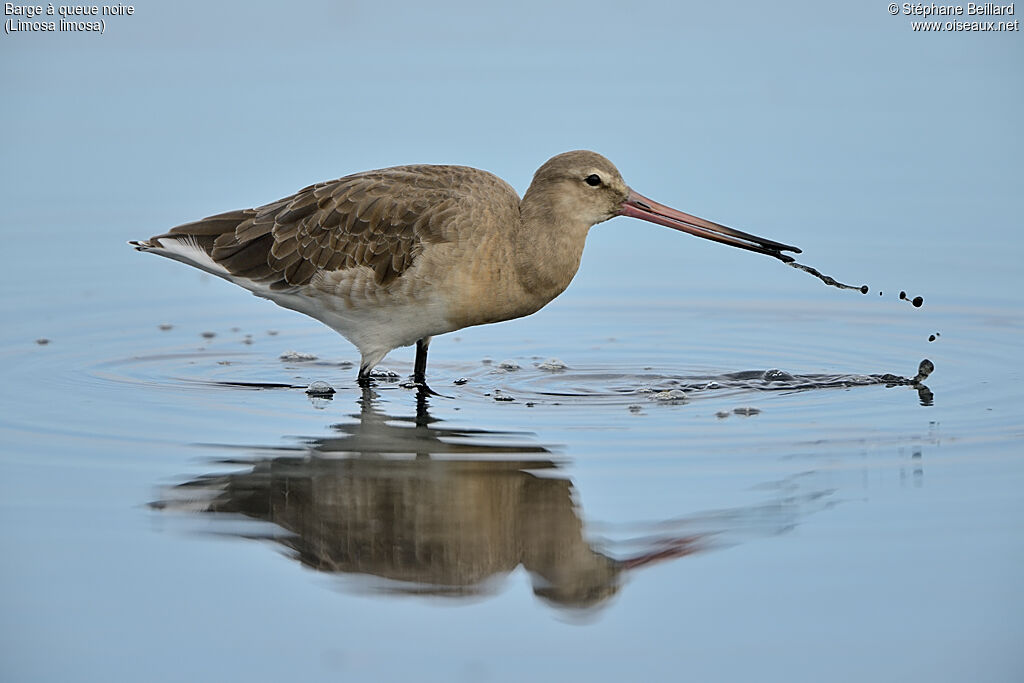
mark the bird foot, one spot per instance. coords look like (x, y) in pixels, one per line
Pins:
(420, 384)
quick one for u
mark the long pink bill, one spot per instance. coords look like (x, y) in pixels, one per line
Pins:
(639, 206)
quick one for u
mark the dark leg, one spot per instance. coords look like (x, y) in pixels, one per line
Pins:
(363, 379)
(419, 373)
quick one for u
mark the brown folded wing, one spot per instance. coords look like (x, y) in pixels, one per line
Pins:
(380, 219)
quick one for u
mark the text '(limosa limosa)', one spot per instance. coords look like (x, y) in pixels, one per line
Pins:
(393, 257)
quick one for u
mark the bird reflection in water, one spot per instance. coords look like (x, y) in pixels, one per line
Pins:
(377, 502)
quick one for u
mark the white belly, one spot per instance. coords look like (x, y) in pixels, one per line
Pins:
(373, 319)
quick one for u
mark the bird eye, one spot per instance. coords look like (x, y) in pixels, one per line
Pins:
(593, 180)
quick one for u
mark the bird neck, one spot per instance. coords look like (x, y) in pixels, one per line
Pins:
(549, 244)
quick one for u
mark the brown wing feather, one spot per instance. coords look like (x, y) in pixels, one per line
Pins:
(378, 219)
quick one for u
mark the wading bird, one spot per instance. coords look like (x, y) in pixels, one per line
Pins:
(393, 257)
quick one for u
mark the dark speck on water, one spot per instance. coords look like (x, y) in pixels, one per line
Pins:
(208, 335)
(43, 341)
(828, 280)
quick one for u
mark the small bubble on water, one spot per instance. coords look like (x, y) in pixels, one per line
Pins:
(746, 411)
(296, 356)
(508, 365)
(552, 365)
(460, 381)
(670, 395)
(776, 375)
(320, 389)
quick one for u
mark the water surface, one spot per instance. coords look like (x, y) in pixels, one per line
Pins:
(180, 494)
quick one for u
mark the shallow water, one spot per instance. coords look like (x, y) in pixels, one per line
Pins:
(731, 475)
